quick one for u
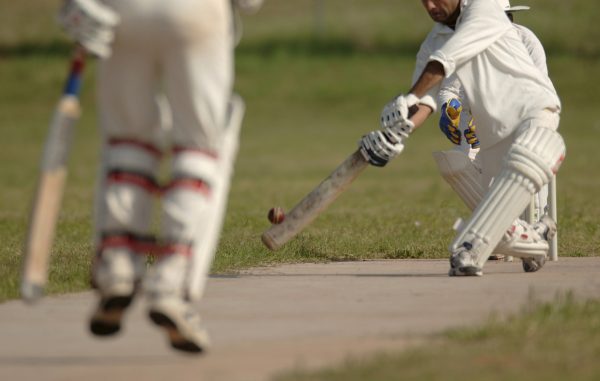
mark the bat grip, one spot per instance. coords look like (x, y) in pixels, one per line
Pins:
(73, 83)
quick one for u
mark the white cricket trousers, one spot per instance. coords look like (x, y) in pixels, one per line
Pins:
(184, 49)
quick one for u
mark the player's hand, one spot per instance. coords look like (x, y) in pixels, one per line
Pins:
(248, 6)
(90, 23)
(381, 146)
(470, 135)
(450, 120)
(396, 113)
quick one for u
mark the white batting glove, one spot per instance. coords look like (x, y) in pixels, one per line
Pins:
(396, 112)
(248, 6)
(381, 146)
(90, 23)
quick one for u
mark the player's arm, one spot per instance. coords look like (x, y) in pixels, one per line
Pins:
(432, 76)
(401, 117)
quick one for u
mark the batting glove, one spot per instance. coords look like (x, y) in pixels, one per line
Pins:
(396, 112)
(381, 146)
(470, 135)
(90, 23)
(450, 120)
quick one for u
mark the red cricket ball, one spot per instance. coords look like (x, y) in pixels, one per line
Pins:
(276, 215)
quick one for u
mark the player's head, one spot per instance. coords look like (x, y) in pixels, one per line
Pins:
(505, 4)
(443, 11)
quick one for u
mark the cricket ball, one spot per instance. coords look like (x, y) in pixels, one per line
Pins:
(276, 215)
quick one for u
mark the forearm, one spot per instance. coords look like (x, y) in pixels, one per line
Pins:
(432, 75)
(420, 115)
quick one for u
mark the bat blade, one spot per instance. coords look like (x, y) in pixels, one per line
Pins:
(315, 202)
(48, 198)
(51, 182)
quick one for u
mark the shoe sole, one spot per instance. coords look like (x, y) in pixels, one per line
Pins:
(177, 340)
(107, 321)
(531, 265)
(466, 271)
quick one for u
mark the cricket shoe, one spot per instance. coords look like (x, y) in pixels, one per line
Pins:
(463, 263)
(116, 275)
(168, 307)
(528, 242)
(546, 228)
(181, 322)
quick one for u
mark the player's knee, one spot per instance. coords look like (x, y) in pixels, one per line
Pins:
(186, 197)
(130, 185)
(537, 154)
(195, 164)
(131, 155)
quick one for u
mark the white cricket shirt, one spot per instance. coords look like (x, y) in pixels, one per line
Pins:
(500, 81)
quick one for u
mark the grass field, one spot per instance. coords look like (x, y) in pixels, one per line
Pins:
(315, 80)
(312, 89)
(550, 342)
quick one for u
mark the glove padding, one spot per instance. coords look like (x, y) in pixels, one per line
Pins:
(377, 148)
(90, 23)
(396, 112)
(381, 146)
(450, 124)
(248, 6)
(470, 135)
(450, 120)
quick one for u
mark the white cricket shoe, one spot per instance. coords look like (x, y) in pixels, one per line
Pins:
(168, 307)
(463, 263)
(115, 276)
(181, 322)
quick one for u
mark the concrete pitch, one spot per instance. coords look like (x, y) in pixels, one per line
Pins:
(269, 320)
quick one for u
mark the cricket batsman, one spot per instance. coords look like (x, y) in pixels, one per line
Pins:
(460, 167)
(184, 49)
(517, 111)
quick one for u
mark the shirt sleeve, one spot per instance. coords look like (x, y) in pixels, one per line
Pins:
(534, 47)
(451, 88)
(481, 23)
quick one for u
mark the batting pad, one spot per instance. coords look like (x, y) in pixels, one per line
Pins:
(125, 196)
(458, 171)
(206, 246)
(531, 163)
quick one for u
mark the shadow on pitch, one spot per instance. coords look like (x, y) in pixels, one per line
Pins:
(325, 275)
(90, 360)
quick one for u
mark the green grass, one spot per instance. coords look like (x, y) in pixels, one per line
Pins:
(551, 342)
(310, 95)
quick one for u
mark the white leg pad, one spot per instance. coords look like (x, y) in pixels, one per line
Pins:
(124, 194)
(523, 241)
(531, 162)
(459, 171)
(186, 199)
(205, 249)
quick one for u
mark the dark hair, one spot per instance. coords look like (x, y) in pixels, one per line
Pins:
(510, 16)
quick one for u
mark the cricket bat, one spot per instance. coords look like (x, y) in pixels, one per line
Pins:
(315, 202)
(51, 182)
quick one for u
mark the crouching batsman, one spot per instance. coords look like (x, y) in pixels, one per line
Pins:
(517, 110)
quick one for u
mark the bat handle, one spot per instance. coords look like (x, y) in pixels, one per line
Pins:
(74, 80)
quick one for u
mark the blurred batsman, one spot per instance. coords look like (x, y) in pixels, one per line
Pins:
(517, 111)
(184, 49)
